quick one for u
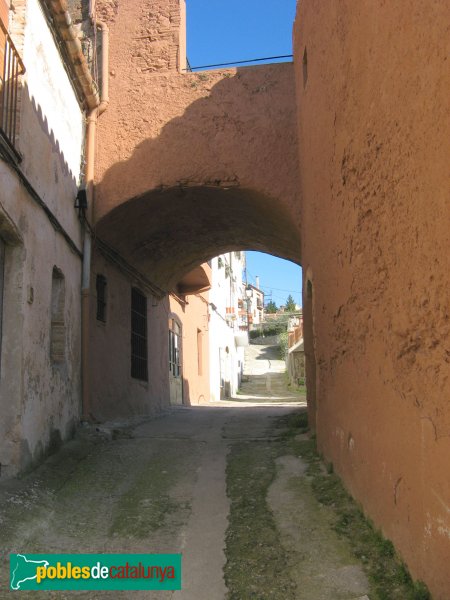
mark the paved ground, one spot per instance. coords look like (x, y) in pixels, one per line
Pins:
(262, 360)
(163, 486)
(265, 378)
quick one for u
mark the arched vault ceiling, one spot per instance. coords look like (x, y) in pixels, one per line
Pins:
(166, 233)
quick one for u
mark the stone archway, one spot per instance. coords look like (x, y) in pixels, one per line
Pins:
(166, 233)
(157, 241)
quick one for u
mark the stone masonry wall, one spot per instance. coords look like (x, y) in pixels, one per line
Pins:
(154, 39)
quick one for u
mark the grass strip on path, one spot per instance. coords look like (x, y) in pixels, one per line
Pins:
(257, 565)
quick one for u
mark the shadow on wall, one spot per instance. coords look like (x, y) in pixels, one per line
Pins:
(187, 399)
(222, 176)
(186, 393)
(33, 121)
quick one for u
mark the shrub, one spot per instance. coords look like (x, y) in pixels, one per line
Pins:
(283, 342)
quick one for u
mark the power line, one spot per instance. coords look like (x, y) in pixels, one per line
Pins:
(238, 62)
(281, 299)
(269, 287)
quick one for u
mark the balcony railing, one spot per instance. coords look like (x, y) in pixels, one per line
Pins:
(11, 67)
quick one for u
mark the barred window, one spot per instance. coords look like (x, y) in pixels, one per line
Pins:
(58, 326)
(101, 288)
(139, 369)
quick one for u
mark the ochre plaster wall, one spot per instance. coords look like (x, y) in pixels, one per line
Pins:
(167, 128)
(374, 146)
(210, 128)
(172, 140)
(114, 393)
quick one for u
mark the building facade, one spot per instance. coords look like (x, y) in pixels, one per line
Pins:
(255, 304)
(228, 325)
(42, 131)
(189, 339)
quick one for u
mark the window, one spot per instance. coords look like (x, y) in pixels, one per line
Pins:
(101, 285)
(58, 326)
(139, 368)
(174, 348)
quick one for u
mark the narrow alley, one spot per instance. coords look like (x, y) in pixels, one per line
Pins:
(228, 484)
(153, 154)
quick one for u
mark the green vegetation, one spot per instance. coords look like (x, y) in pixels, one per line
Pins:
(299, 387)
(271, 307)
(148, 505)
(283, 343)
(272, 327)
(290, 304)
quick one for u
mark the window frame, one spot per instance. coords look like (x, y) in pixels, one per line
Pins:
(175, 348)
(58, 318)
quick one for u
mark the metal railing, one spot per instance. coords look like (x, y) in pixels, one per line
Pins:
(11, 67)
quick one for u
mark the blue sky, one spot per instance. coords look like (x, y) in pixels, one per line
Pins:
(278, 278)
(231, 30)
(220, 31)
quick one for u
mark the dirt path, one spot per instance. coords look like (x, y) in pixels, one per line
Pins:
(234, 486)
(321, 564)
(158, 487)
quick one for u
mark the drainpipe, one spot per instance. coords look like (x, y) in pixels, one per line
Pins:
(91, 130)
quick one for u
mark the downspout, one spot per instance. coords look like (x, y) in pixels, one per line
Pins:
(91, 130)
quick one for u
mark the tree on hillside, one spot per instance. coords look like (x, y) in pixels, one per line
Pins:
(290, 304)
(271, 307)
